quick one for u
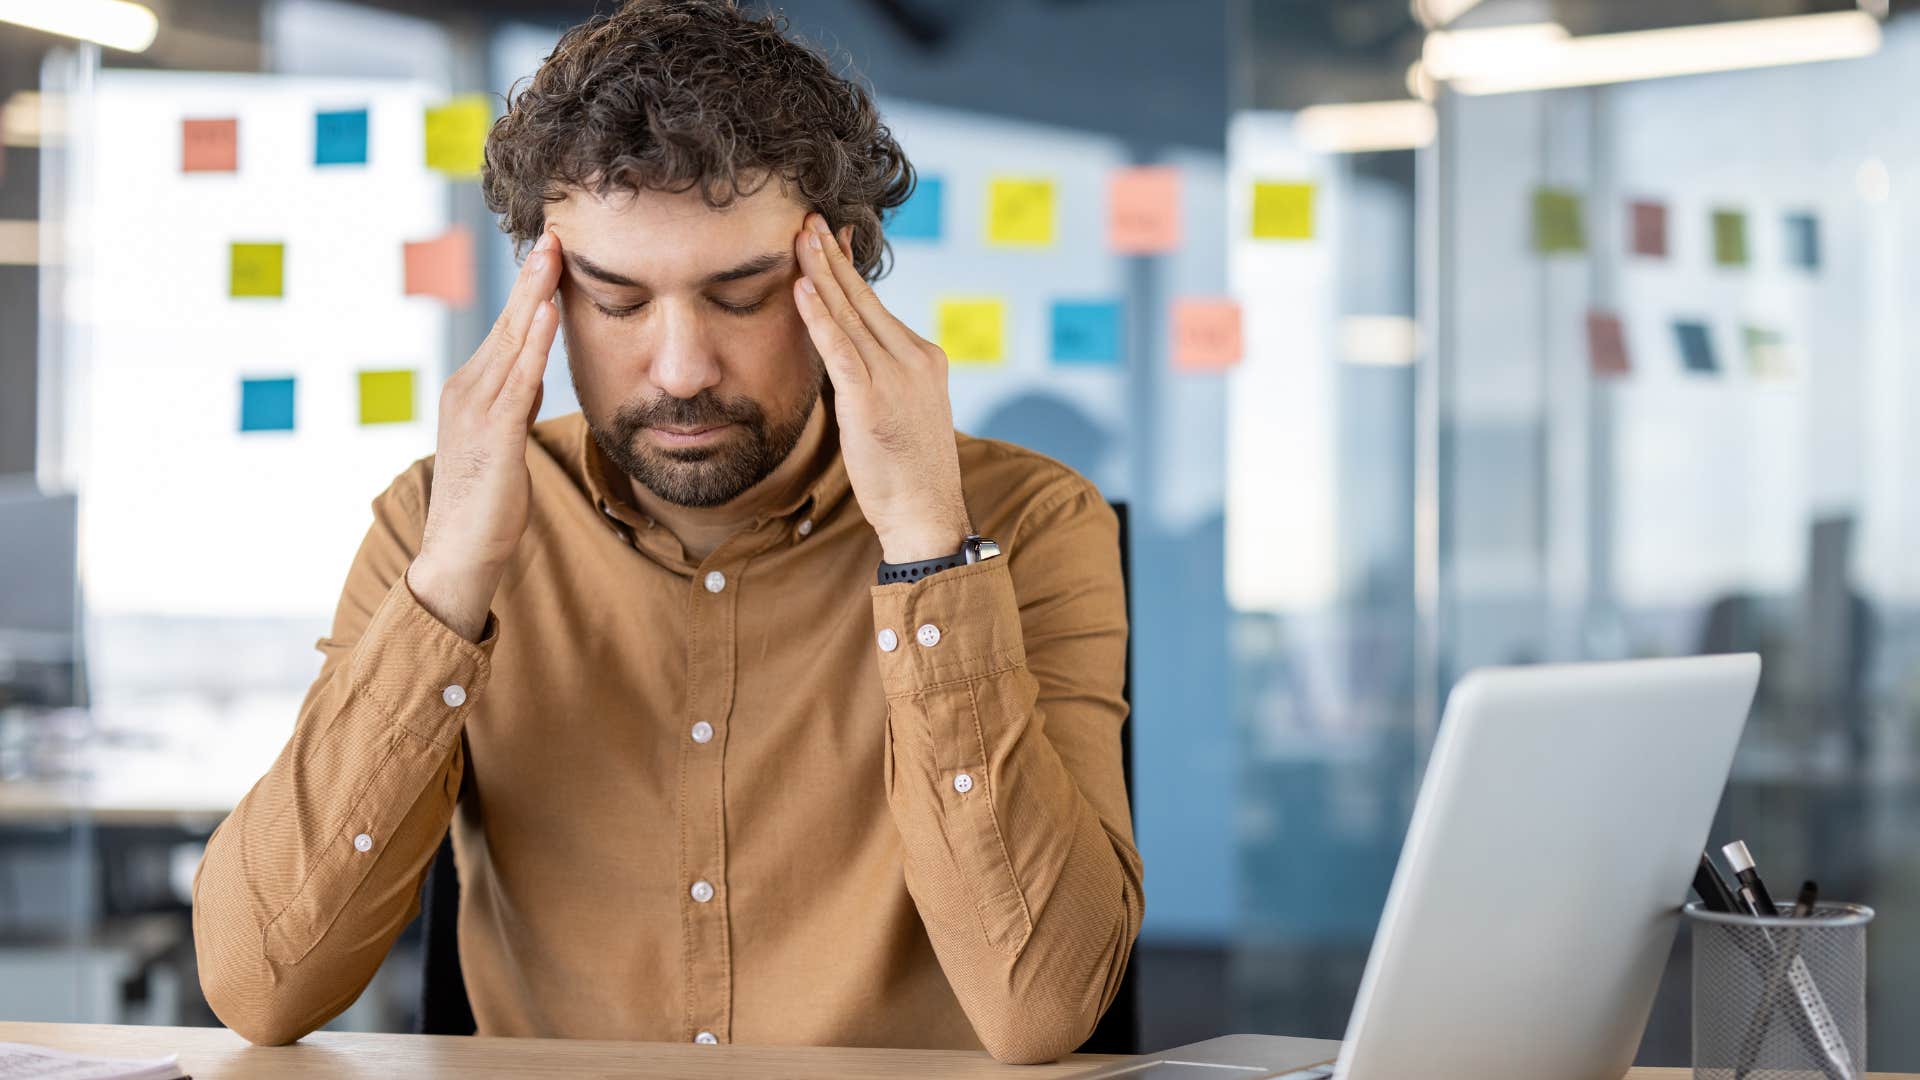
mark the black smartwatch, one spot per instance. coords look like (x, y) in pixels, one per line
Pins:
(972, 550)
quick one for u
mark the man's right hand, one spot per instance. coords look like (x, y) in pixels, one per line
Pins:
(481, 489)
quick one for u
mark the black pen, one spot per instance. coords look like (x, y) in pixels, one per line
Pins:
(1809, 895)
(1752, 890)
(1712, 888)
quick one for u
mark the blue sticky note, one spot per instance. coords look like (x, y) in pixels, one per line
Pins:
(1803, 241)
(340, 138)
(1696, 347)
(266, 405)
(919, 217)
(1086, 332)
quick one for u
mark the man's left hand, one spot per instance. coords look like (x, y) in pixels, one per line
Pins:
(890, 398)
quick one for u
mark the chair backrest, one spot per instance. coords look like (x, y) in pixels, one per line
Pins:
(446, 1010)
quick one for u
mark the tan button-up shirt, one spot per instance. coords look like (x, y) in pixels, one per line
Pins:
(754, 798)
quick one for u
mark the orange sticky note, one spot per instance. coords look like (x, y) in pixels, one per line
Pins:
(442, 267)
(1206, 334)
(210, 145)
(1143, 210)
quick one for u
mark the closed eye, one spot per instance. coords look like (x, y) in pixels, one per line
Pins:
(631, 309)
(618, 312)
(740, 309)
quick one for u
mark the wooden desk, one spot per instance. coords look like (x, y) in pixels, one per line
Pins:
(219, 1054)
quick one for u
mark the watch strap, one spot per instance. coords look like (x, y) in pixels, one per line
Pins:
(894, 573)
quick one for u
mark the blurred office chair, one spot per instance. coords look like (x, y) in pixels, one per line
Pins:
(446, 1010)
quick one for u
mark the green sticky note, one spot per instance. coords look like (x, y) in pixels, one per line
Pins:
(1282, 211)
(386, 397)
(1557, 227)
(256, 270)
(457, 135)
(1729, 238)
(973, 329)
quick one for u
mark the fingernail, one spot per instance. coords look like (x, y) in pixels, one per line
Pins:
(814, 241)
(807, 284)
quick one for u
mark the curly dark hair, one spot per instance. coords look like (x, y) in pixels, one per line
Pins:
(669, 95)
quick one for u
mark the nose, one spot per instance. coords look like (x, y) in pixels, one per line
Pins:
(684, 362)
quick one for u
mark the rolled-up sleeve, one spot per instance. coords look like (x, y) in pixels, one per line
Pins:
(1004, 684)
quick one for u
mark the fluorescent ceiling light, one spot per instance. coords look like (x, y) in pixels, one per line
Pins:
(1542, 64)
(117, 24)
(22, 122)
(1441, 12)
(1364, 126)
(1451, 54)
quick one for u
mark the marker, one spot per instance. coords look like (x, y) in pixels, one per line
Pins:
(1712, 888)
(1809, 895)
(1752, 890)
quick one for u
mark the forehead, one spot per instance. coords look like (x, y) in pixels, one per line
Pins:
(667, 237)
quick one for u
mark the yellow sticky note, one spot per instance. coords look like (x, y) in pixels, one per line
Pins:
(257, 270)
(457, 135)
(1020, 212)
(386, 397)
(973, 329)
(1282, 211)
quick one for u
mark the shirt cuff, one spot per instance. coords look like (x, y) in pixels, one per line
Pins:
(954, 626)
(423, 674)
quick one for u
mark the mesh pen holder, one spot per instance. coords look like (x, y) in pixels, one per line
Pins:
(1778, 998)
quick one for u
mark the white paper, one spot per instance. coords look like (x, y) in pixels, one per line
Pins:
(19, 1061)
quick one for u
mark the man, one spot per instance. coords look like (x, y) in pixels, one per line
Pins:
(706, 778)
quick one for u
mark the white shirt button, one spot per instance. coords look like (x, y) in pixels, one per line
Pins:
(703, 732)
(889, 640)
(963, 783)
(705, 1038)
(363, 842)
(702, 891)
(716, 581)
(455, 696)
(806, 527)
(929, 635)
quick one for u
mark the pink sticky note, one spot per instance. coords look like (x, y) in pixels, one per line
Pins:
(1649, 228)
(442, 267)
(1143, 210)
(1606, 343)
(1206, 334)
(209, 145)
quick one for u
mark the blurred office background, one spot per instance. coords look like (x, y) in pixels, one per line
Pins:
(1566, 329)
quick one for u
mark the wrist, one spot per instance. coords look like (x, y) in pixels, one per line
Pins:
(919, 543)
(457, 596)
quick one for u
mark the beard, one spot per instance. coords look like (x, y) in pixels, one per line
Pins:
(702, 476)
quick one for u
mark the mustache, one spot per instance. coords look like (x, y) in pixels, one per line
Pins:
(705, 409)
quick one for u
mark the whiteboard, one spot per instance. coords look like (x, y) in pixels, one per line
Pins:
(181, 512)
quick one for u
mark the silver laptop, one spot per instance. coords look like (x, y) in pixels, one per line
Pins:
(1557, 830)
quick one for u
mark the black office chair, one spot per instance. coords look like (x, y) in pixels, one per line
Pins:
(445, 1009)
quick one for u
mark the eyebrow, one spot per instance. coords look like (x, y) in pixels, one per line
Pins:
(753, 267)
